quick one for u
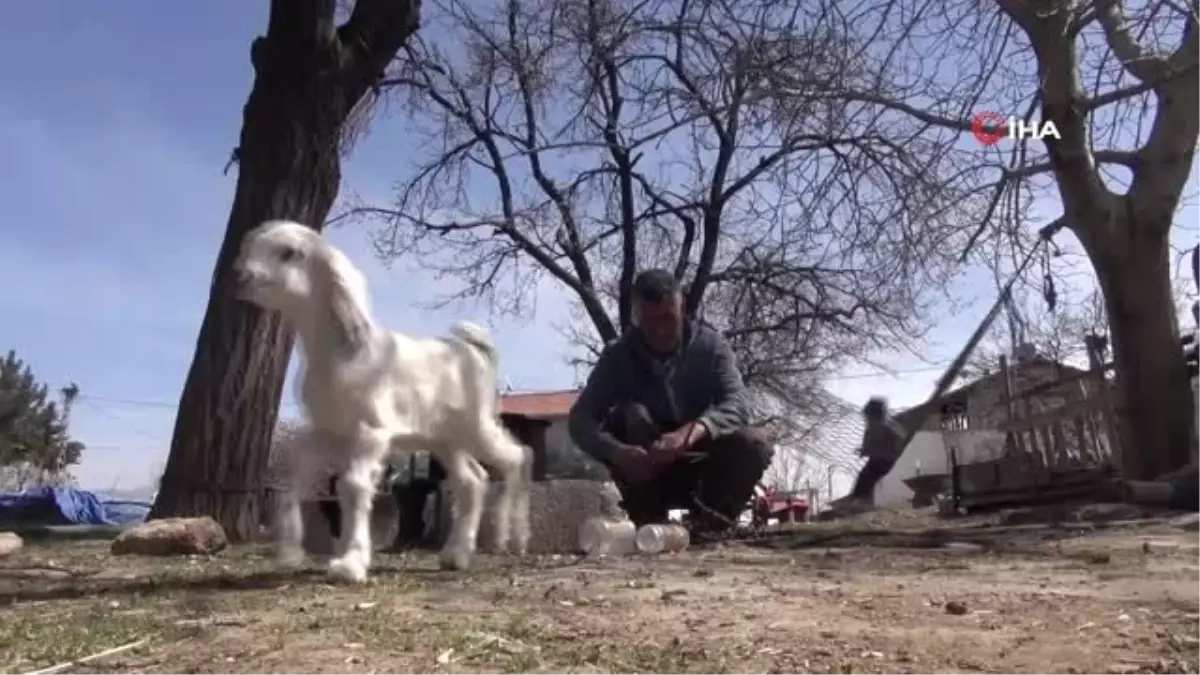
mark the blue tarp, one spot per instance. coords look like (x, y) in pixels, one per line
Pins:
(52, 506)
(126, 512)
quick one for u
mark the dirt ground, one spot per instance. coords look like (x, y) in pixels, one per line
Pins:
(822, 599)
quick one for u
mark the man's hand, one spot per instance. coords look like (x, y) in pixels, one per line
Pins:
(633, 463)
(670, 445)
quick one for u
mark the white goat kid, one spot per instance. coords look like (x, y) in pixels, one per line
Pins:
(369, 393)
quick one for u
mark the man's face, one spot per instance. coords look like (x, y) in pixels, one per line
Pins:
(661, 323)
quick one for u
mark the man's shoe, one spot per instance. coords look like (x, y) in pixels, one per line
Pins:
(645, 516)
(707, 537)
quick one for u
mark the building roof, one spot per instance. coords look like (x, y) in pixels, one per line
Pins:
(914, 416)
(830, 428)
(538, 404)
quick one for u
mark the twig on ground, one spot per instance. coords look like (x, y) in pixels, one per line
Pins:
(59, 667)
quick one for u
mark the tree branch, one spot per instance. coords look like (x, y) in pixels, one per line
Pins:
(368, 39)
(1134, 59)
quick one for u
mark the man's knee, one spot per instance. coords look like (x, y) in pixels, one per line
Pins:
(631, 423)
(752, 445)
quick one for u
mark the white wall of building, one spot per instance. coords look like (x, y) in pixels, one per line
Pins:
(927, 451)
(557, 435)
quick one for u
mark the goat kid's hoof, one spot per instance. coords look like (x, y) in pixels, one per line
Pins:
(454, 561)
(520, 549)
(348, 569)
(290, 558)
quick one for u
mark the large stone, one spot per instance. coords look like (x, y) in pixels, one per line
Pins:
(10, 542)
(556, 510)
(172, 536)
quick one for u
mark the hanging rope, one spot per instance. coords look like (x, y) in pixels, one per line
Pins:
(1048, 291)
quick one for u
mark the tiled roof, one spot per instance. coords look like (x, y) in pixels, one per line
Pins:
(538, 405)
(828, 429)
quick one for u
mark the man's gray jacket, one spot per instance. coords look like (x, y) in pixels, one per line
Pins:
(701, 382)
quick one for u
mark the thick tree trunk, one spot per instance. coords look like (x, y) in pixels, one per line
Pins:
(1152, 381)
(289, 167)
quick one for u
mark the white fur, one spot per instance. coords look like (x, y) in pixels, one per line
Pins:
(369, 393)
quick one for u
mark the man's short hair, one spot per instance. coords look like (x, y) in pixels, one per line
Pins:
(655, 285)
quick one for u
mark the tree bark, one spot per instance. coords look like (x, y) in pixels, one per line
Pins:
(309, 75)
(1152, 379)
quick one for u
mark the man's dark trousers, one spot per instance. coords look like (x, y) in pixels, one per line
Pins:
(722, 473)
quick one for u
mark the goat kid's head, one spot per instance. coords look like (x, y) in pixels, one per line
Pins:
(287, 267)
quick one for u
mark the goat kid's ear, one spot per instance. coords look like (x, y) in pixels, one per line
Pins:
(349, 324)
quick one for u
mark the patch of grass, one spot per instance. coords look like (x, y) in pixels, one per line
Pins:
(36, 639)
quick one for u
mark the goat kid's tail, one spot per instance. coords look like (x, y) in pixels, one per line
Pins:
(478, 338)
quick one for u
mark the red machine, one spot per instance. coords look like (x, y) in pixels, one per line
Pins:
(769, 502)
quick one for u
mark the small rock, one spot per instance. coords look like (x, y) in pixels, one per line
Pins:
(9, 543)
(956, 608)
(172, 536)
(1098, 558)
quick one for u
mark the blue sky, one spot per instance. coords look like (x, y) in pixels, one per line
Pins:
(116, 120)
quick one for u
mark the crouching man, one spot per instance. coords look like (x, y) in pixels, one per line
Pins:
(666, 410)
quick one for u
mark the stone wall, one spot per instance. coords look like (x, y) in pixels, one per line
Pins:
(556, 510)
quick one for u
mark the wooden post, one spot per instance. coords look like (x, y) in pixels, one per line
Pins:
(1012, 439)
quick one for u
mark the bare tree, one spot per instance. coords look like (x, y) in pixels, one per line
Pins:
(584, 139)
(1120, 86)
(312, 76)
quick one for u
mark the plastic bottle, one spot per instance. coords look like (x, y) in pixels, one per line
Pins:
(670, 538)
(599, 536)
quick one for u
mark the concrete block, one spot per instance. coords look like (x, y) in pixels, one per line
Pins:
(556, 510)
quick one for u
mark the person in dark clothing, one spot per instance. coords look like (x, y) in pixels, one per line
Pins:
(332, 510)
(665, 409)
(412, 499)
(881, 446)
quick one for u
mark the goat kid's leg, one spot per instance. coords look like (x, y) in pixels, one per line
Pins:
(515, 464)
(520, 505)
(356, 490)
(289, 523)
(289, 531)
(468, 490)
